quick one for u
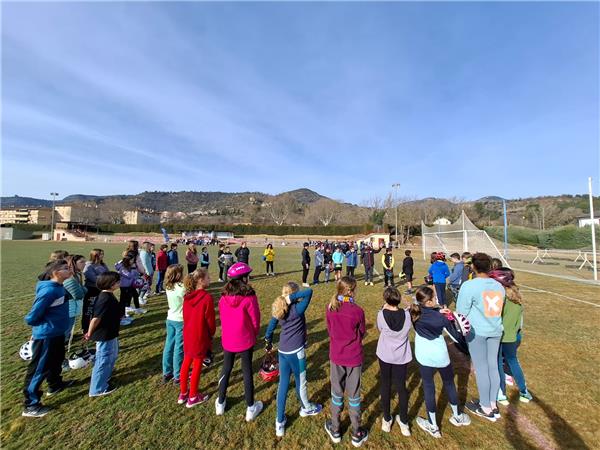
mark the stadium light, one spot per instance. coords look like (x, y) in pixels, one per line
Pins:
(396, 187)
(54, 195)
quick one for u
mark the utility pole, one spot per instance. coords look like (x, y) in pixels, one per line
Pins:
(54, 195)
(396, 187)
(593, 230)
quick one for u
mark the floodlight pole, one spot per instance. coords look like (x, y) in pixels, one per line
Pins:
(396, 186)
(505, 229)
(593, 230)
(54, 195)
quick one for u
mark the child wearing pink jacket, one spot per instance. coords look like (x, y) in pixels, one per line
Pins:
(240, 325)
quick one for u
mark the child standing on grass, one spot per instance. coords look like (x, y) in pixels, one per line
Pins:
(432, 354)
(162, 262)
(512, 321)
(198, 329)
(104, 329)
(351, 261)
(128, 274)
(269, 257)
(49, 317)
(387, 260)
(227, 260)
(408, 270)
(394, 354)
(288, 311)
(346, 328)
(240, 325)
(75, 290)
(191, 256)
(94, 267)
(454, 280)
(338, 261)
(439, 271)
(173, 352)
(204, 258)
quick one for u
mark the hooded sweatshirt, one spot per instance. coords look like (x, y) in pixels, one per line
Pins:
(198, 323)
(351, 258)
(338, 258)
(240, 322)
(162, 261)
(430, 346)
(393, 346)
(346, 328)
(49, 315)
(439, 271)
(128, 276)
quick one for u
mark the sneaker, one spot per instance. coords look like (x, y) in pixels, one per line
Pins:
(280, 427)
(62, 387)
(65, 366)
(371, 283)
(183, 398)
(428, 427)
(140, 311)
(143, 301)
(476, 409)
(502, 399)
(38, 410)
(509, 380)
(129, 310)
(525, 397)
(305, 285)
(360, 437)
(176, 382)
(253, 411)
(313, 410)
(462, 420)
(404, 428)
(220, 280)
(335, 436)
(108, 391)
(166, 378)
(126, 321)
(496, 413)
(386, 425)
(206, 362)
(197, 400)
(366, 283)
(220, 407)
(272, 274)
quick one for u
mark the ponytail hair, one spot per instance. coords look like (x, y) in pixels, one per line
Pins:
(345, 287)
(422, 296)
(280, 308)
(190, 282)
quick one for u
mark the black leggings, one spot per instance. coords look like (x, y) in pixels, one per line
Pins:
(192, 267)
(270, 264)
(128, 293)
(447, 374)
(305, 274)
(228, 360)
(221, 270)
(396, 374)
(350, 271)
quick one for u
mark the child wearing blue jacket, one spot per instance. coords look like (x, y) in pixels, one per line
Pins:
(351, 261)
(49, 317)
(439, 271)
(288, 311)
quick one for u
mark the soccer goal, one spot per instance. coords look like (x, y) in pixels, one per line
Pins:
(460, 236)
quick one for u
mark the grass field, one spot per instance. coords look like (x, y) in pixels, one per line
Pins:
(560, 356)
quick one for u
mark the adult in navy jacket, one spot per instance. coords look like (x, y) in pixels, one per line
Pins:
(49, 319)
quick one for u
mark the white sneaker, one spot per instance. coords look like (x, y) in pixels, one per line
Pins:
(371, 283)
(404, 428)
(220, 407)
(426, 426)
(129, 310)
(280, 427)
(366, 283)
(462, 420)
(305, 285)
(143, 301)
(272, 274)
(386, 426)
(220, 280)
(253, 411)
(140, 311)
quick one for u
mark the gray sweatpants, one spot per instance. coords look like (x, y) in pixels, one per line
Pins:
(484, 353)
(345, 379)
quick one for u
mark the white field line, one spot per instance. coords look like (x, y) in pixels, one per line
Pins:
(562, 277)
(560, 295)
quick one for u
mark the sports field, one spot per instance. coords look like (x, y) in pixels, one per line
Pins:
(560, 356)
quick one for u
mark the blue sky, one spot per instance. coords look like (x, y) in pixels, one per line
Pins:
(450, 100)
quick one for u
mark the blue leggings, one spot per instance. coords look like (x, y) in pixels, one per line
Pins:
(508, 354)
(292, 363)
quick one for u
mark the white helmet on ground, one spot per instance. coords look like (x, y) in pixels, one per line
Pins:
(463, 323)
(81, 359)
(26, 351)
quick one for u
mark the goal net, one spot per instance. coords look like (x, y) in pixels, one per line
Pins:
(460, 236)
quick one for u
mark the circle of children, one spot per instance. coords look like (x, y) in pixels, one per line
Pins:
(486, 324)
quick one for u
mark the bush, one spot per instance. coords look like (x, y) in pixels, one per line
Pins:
(567, 237)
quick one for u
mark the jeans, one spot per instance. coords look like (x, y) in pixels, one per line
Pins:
(317, 274)
(173, 352)
(106, 357)
(389, 277)
(327, 271)
(508, 353)
(159, 281)
(46, 364)
(291, 363)
(440, 290)
(350, 271)
(484, 354)
(368, 274)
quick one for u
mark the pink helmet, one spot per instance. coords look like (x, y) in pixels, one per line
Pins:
(503, 275)
(238, 270)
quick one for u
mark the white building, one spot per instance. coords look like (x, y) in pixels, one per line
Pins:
(441, 221)
(587, 221)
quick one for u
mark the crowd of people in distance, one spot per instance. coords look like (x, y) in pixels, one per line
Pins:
(485, 325)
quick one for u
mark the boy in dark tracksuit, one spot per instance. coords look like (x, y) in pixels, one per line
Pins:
(49, 317)
(408, 270)
(305, 264)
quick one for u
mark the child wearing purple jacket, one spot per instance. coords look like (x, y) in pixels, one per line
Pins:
(346, 328)
(394, 354)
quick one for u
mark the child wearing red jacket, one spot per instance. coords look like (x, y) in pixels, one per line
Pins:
(162, 262)
(198, 329)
